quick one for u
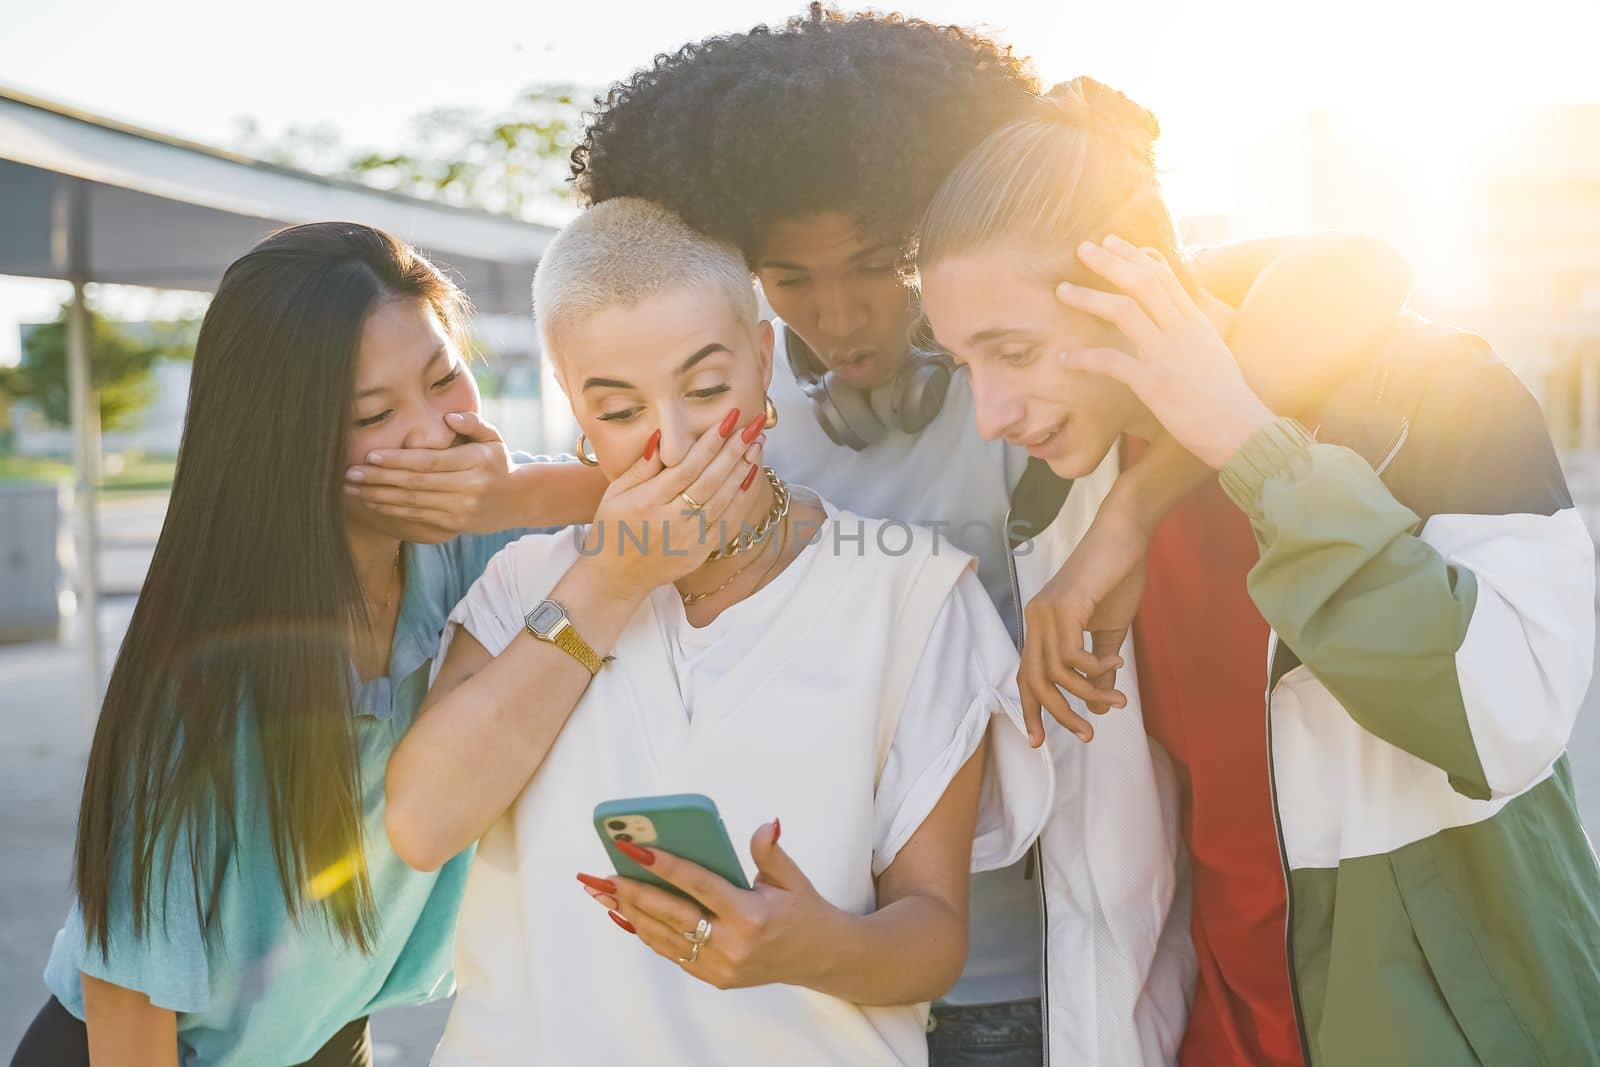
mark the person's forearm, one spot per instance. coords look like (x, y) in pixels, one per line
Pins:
(909, 951)
(1144, 492)
(470, 752)
(125, 1029)
(1375, 612)
(558, 494)
(1481, 679)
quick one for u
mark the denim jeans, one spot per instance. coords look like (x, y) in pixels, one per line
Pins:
(986, 1035)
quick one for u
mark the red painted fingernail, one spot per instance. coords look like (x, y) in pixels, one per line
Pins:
(624, 923)
(750, 477)
(729, 421)
(642, 856)
(777, 829)
(603, 885)
(753, 427)
(652, 444)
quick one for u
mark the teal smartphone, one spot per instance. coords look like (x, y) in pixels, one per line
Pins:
(684, 824)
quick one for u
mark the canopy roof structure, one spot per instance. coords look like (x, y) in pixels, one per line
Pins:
(88, 199)
(169, 213)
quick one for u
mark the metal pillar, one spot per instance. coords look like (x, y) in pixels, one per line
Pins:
(71, 241)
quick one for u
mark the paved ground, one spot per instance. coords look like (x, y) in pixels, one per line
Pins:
(47, 724)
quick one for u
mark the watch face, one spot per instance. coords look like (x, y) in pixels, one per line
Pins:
(545, 617)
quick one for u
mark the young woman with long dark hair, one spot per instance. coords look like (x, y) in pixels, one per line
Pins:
(237, 898)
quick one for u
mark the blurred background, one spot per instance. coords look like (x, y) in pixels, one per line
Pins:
(143, 147)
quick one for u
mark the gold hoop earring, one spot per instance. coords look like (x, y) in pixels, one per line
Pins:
(586, 454)
(772, 414)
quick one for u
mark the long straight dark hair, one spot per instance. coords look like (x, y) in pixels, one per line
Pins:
(242, 631)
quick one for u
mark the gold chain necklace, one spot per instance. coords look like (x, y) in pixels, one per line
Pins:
(695, 598)
(753, 537)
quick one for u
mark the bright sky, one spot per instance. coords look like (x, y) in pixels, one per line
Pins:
(1219, 74)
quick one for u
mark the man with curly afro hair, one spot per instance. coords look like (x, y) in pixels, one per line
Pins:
(846, 122)
(864, 114)
(815, 147)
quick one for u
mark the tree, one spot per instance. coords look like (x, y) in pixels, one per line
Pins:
(513, 162)
(119, 368)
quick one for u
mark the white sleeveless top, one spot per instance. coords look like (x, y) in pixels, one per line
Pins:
(948, 478)
(791, 699)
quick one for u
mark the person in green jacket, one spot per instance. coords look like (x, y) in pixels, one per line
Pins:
(1429, 585)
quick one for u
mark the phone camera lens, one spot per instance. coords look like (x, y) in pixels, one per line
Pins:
(617, 824)
(624, 837)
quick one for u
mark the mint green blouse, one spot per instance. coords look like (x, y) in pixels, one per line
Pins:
(263, 991)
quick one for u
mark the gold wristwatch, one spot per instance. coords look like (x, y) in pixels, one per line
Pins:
(549, 622)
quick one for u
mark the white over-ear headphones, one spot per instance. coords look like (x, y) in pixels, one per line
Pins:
(856, 417)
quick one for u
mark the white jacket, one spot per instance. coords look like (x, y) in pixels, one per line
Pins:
(1118, 960)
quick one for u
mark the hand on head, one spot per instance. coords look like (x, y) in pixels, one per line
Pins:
(1180, 367)
(1183, 373)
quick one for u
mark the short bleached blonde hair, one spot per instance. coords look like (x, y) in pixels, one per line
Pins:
(625, 250)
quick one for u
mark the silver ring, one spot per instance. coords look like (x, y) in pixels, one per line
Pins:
(693, 956)
(702, 932)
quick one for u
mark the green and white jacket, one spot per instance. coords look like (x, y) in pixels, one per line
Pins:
(1431, 591)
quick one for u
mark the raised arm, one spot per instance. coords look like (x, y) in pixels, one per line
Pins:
(555, 492)
(1466, 640)
(1310, 309)
(476, 486)
(478, 737)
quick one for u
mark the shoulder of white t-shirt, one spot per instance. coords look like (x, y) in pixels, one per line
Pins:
(545, 553)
